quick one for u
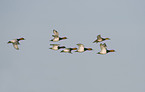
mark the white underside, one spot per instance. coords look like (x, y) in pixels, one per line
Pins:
(56, 39)
(103, 51)
(99, 40)
(55, 47)
(66, 50)
(81, 49)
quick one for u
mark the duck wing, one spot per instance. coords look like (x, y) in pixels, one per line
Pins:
(54, 44)
(99, 37)
(55, 33)
(15, 46)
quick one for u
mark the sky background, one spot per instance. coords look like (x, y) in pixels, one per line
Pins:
(36, 68)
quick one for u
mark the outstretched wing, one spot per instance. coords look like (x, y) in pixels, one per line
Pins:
(54, 44)
(99, 37)
(105, 45)
(15, 46)
(55, 33)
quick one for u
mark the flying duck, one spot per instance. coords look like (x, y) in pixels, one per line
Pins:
(104, 49)
(56, 47)
(15, 42)
(68, 50)
(56, 36)
(82, 48)
(100, 39)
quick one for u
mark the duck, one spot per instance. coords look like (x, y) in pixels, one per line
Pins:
(15, 42)
(100, 39)
(104, 49)
(68, 50)
(82, 48)
(56, 47)
(56, 36)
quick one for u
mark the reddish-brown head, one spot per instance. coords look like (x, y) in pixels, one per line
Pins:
(74, 48)
(21, 39)
(111, 50)
(89, 49)
(64, 37)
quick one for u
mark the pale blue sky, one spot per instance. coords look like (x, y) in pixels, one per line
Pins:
(36, 68)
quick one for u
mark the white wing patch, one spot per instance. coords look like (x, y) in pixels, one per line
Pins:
(66, 50)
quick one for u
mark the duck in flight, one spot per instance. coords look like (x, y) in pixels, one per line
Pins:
(56, 47)
(104, 49)
(68, 50)
(81, 48)
(100, 39)
(15, 42)
(56, 36)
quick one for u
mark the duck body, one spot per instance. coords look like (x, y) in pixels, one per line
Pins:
(56, 39)
(68, 50)
(100, 39)
(104, 49)
(82, 48)
(56, 36)
(15, 42)
(56, 47)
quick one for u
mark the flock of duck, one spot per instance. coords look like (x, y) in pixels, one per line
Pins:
(81, 47)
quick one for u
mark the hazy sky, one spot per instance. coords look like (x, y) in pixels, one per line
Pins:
(36, 68)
